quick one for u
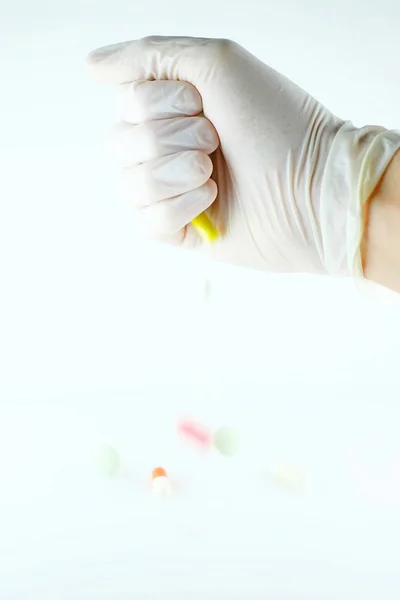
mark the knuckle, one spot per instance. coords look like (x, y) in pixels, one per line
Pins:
(115, 143)
(166, 217)
(203, 165)
(131, 101)
(148, 138)
(208, 135)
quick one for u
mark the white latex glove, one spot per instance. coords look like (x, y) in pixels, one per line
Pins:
(292, 178)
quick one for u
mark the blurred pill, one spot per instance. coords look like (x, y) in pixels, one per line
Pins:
(108, 461)
(226, 440)
(160, 482)
(207, 289)
(290, 477)
(195, 433)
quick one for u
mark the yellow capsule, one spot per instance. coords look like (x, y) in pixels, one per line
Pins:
(205, 228)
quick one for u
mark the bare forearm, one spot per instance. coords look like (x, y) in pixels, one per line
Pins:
(381, 241)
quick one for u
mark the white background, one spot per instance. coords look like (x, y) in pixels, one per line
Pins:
(104, 338)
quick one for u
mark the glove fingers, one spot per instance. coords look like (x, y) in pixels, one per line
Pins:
(187, 59)
(148, 100)
(165, 177)
(169, 217)
(134, 144)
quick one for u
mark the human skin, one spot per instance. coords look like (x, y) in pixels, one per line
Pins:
(380, 248)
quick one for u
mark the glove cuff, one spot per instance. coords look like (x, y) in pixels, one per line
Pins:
(356, 163)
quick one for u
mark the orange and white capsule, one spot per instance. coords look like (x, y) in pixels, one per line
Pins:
(160, 482)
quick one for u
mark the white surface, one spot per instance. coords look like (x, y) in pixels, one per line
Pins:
(100, 342)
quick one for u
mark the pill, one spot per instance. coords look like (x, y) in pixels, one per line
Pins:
(205, 228)
(290, 477)
(160, 482)
(158, 472)
(195, 432)
(108, 461)
(226, 441)
(207, 289)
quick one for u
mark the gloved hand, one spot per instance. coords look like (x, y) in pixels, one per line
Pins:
(284, 179)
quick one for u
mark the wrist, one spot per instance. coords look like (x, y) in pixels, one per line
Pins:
(380, 248)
